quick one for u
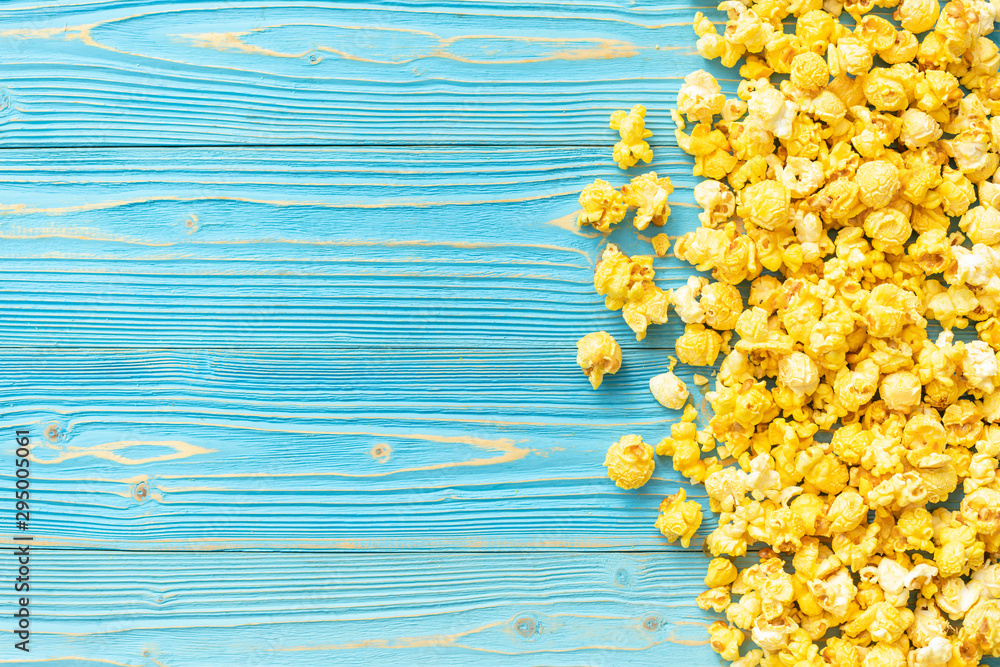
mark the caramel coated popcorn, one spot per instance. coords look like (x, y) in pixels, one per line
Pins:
(849, 226)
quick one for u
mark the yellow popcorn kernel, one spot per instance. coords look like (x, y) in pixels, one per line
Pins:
(878, 183)
(854, 388)
(841, 653)
(918, 129)
(982, 627)
(669, 390)
(631, 128)
(963, 423)
(932, 252)
(745, 27)
(649, 307)
(809, 71)
(900, 391)
(716, 599)
(718, 202)
(700, 97)
(917, 15)
(936, 91)
(661, 245)
(713, 46)
(982, 225)
(721, 572)
(902, 50)
(876, 32)
(981, 510)
(886, 88)
(620, 278)
(849, 56)
(597, 354)
(889, 308)
(603, 206)
(649, 194)
(882, 621)
(889, 229)
(919, 180)
(725, 640)
(679, 518)
(722, 305)
(698, 346)
(814, 29)
(630, 462)
(702, 25)
(838, 200)
(847, 510)
(765, 204)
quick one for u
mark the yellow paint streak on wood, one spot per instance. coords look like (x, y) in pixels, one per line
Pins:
(22, 209)
(506, 449)
(398, 642)
(602, 49)
(80, 32)
(109, 451)
(568, 222)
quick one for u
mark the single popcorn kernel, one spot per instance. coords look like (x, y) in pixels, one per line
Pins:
(598, 354)
(809, 71)
(649, 194)
(669, 390)
(631, 127)
(603, 206)
(630, 462)
(661, 245)
(679, 519)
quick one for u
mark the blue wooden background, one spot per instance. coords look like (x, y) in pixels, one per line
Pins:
(289, 297)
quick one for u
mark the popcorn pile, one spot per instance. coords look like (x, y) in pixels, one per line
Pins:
(839, 424)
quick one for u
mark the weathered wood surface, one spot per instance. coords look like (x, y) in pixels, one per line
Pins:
(159, 72)
(466, 247)
(334, 449)
(267, 609)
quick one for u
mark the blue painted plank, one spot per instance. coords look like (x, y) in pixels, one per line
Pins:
(289, 609)
(217, 247)
(159, 72)
(334, 449)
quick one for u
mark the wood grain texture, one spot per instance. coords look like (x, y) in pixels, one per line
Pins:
(334, 449)
(161, 72)
(278, 609)
(188, 248)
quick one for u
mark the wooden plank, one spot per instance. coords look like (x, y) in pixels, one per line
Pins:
(161, 72)
(332, 449)
(295, 247)
(294, 609)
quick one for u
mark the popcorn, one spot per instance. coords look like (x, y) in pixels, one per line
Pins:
(837, 419)
(698, 346)
(669, 390)
(700, 97)
(679, 518)
(649, 195)
(597, 354)
(603, 206)
(630, 462)
(631, 128)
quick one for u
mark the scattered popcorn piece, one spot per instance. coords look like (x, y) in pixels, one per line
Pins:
(669, 390)
(603, 206)
(679, 518)
(649, 194)
(597, 354)
(630, 462)
(631, 128)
